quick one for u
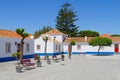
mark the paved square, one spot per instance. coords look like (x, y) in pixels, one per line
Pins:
(78, 68)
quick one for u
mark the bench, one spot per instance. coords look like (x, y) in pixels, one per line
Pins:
(55, 58)
(27, 63)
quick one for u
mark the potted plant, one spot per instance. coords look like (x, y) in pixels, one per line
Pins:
(47, 57)
(48, 60)
(69, 55)
(72, 43)
(37, 59)
(17, 56)
(62, 57)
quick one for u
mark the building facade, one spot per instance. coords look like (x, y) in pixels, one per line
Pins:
(51, 43)
(59, 43)
(10, 43)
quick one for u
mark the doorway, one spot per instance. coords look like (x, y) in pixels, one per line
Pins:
(116, 48)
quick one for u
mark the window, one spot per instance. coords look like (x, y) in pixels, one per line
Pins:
(8, 47)
(56, 47)
(38, 47)
(27, 47)
(78, 47)
(59, 48)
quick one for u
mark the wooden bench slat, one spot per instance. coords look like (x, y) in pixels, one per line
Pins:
(27, 62)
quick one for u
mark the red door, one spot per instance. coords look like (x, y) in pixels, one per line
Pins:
(116, 49)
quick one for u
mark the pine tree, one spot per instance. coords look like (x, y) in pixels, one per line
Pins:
(65, 20)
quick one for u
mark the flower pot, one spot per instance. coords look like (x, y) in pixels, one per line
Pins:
(48, 61)
(19, 68)
(39, 64)
(62, 59)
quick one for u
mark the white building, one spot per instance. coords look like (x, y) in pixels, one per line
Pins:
(10, 43)
(54, 43)
(58, 43)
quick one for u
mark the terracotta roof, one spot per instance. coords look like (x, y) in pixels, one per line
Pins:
(77, 39)
(82, 39)
(11, 34)
(54, 31)
(105, 35)
(115, 39)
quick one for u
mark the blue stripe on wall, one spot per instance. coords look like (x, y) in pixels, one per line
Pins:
(50, 54)
(5, 59)
(102, 53)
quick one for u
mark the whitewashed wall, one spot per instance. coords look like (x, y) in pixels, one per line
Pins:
(87, 48)
(4, 40)
(65, 47)
(58, 47)
(51, 46)
(39, 41)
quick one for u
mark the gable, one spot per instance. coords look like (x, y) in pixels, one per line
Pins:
(54, 31)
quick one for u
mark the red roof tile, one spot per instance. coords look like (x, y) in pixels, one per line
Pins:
(82, 39)
(77, 39)
(11, 34)
(54, 31)
(105, 35)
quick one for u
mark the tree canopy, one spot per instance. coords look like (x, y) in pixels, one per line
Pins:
(21, 32)
(100, 41)
(72, 43)
(41, 31)
(115, 35)
(65, 21)
(88, 33)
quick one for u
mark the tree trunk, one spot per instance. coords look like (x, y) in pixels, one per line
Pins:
(45, 54)
(21, 48)
(70, 51)
(99, 50)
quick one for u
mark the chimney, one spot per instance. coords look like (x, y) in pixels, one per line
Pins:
(85, 38)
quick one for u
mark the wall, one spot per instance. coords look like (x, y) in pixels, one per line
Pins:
(39, 41)
(58, 48)
(85, 47)
(51, 45)
(12, 41)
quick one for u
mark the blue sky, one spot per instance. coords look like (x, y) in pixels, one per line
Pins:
(102, 16)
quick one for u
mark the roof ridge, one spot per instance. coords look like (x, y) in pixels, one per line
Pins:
(54, 31)
(10, 34)
(7, 30)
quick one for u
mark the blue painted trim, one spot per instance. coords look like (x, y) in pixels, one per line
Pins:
(65, 52)
(5, 59)
(101, 53)
(50, 54)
